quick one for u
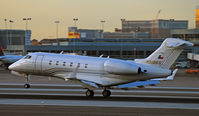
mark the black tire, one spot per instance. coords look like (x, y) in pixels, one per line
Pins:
(90, 93)
(106, 93)
(26, 85)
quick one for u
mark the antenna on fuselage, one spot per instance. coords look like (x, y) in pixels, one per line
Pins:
(61, 52)
(101, 56)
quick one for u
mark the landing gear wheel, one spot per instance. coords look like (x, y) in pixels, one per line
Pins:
(106, 93)
(90, 93)
(27, 86)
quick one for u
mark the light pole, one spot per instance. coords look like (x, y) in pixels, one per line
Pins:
(10, 39)
(7, 42)
(102, 21)
(27, 19)
(57, 23)
(75, 21)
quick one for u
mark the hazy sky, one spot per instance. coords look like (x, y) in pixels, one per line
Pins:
(89, 13)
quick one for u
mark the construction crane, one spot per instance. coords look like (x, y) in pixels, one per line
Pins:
(155, 24)
(157, 15)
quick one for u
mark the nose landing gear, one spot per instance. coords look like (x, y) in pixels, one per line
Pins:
(27, 85)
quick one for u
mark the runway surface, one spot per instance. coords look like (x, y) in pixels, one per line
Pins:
(56, 97)
(61, 98)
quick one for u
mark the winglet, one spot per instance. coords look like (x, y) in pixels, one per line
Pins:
(172, 76)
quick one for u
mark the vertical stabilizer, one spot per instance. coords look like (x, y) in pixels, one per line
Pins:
(1, 51)
(167, 53)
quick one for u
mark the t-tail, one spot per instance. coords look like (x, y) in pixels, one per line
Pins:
(167, 53)
(1, 51)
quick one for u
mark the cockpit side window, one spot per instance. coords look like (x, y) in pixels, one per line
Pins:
(27, 57)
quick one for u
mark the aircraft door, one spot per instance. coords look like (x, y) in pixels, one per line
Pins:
(38, 63)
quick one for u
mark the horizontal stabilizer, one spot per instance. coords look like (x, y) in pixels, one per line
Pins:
(178, 43)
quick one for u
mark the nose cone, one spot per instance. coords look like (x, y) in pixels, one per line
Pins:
(12, 67)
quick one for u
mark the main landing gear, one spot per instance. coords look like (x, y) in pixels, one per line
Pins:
(27, 85)
(105, 93)
(90, 93)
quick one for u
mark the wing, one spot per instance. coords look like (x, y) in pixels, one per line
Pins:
(139, 84)
(89, 80)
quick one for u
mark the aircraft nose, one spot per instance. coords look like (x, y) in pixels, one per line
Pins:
(12, 67)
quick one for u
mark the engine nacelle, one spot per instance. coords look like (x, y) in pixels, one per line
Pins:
(121, 67)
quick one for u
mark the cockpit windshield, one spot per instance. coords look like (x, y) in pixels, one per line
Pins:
(27, 57)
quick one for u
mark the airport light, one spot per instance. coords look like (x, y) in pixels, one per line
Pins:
(5, 23)
(102, 21)
(75, 21)
(11, 21)
(27, 19)
(57, 24)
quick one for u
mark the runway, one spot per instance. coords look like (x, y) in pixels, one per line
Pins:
(56, 97)
(60, 98)
(59, 91)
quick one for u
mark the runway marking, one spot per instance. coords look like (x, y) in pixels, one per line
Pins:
(43, 102)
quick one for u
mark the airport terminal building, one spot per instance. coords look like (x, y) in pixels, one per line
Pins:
(14, 40)
(115, 48)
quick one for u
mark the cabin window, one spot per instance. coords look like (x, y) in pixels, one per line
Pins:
(78, 65)
(50, 62)
(64, 63)
(86, 66)
(71, 64)
(57, 63)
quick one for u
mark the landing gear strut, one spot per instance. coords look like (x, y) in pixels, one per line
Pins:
(106, 93)
(27, 85)
(90, 93)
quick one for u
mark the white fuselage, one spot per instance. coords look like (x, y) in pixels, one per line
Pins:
(102, 71)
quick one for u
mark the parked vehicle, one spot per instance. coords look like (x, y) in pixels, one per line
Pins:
(190, 71)
(182, 65)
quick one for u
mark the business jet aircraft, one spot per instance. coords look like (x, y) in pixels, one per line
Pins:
(8, 59)
(97, 72)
